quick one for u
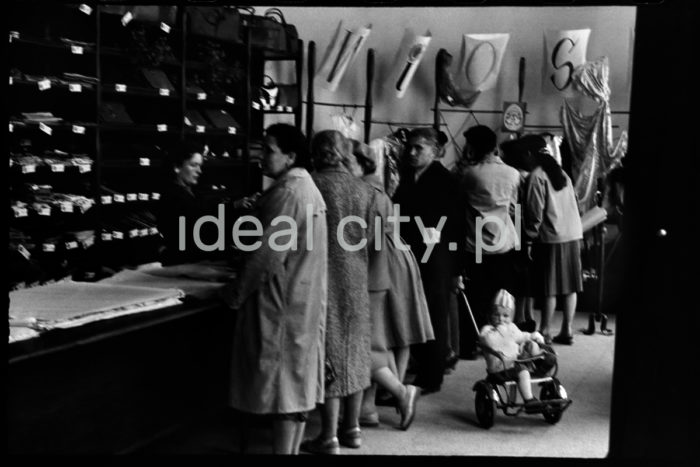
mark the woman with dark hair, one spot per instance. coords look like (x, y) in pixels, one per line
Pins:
(348, 332)
(398, 306)
(278, 343)
(178, 200)
(553, 223)
(428, 191)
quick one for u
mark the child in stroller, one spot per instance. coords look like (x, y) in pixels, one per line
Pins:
(513, 357)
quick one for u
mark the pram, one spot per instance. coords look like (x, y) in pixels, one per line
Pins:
(493, 393)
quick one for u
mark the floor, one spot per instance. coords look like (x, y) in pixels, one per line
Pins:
(446, 423)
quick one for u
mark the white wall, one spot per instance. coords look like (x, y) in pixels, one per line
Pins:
(611, 36)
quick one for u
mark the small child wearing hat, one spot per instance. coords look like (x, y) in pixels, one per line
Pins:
(503, 337)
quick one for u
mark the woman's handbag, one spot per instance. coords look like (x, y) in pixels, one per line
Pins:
(272, 32)
(223, 23)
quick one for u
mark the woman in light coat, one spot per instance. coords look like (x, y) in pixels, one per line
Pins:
(278, 347)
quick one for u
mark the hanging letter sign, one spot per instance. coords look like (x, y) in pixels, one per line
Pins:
(410, 54)
(481, 59)
(564, 51)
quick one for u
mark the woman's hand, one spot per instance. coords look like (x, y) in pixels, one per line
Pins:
(247, 202)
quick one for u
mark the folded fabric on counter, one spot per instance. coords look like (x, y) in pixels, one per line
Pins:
(69, 304)
(20, 333)
(197, 288)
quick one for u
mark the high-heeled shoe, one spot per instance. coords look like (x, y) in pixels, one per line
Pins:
(320, 446)
(407, 407)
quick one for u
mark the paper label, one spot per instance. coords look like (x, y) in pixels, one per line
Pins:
(44, 84)
(58, 168)
(84, 168)
(11, 81)
(164, 92)
(45, 128)
(165, 28)
(118, 198)
(19, 212)
(71, 245)
(143, 232)
(66, 206)
(143, 196)
(120, 87)
(144, 161)
(266, 107)
(85, 9)
(155, 196)
(73, 87)
(48, 247)
(162, 127)
(199, 129)
(79, 130)
(44, 211)
(106, 237)
(107, 199)
(28, 169)
(256, 106)
(88, 242)
(14, 35)
(230, 100)
(131, 196)
(126, 19)
(232, 130)
(201, 96)
(24, 252)
(117, 235)
(133, 233)
(12, 128)
(76, 49)
(289, 108)
(280, 108)
(153, 231)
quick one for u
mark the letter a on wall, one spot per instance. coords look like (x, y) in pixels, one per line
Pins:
(407, 59)
(564, 51)
(481, 59)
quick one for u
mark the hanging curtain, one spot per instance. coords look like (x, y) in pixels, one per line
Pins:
(590, 136)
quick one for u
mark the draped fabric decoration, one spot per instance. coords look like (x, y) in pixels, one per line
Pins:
(590, 136)
(386, 153)
(340, 54)
(481, 59)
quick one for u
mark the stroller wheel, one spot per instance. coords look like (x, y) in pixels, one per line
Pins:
(485, 406)
(549, 392)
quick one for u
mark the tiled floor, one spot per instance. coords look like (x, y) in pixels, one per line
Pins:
(446, 423)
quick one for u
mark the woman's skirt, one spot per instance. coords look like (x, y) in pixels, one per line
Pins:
(557, 268)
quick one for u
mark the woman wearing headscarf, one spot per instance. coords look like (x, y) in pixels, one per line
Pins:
(278, 343)
(349, 204)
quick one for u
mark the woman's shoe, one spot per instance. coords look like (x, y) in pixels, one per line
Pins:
(351, 438)
(320, 446)
(370, 419)
(407, 408)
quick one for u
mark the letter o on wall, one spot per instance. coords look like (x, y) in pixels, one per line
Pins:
(481, 63)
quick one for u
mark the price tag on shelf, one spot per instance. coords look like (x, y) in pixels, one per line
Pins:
(44, 84)
(143, 196)
(14, 35)
(44, 211)
(45, 128)
(133, 233)
(162, 127)
(289, 108)
(72, 245)
(66, 206)
(106, 237)
(88, 242)
(120, 87)
(230, 100)
(12, 128)
(143, 232)
(131, 196)
(84, 168)
(201, 96)
(24, 252)
(48, 247)
(144, 161)
(256, 106)
(11, 81)
(74, 87)
(164, 92)
(20, 212)
(118, 198)
(78, 130)
(85, 9)
(232, 130)
(106, 199)
(153, 231)
(28, 169)
(280, 108)
(117, 235)
(155, 196)
(126, 19)
(76, 50)
(199, 128)
(58, 168)
(165, 28)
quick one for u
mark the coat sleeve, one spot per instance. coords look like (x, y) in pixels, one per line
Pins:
(264, 262)
(535, 193)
